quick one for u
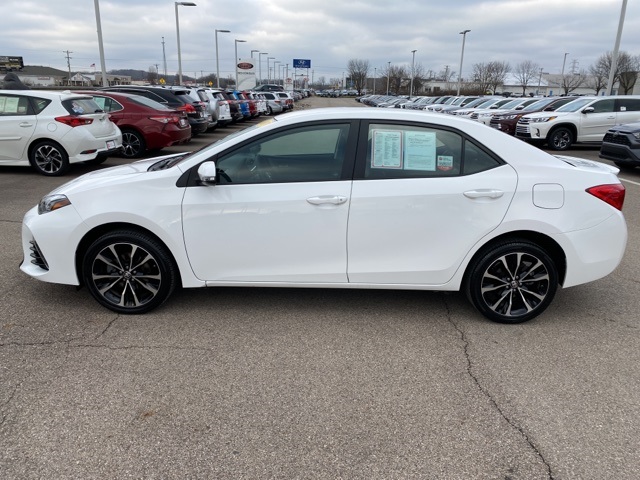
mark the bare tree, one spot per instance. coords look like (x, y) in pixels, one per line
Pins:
(358, 73)
(396, 75)
(598, 77)
(482, 76)
(626, 64)
(570, 81)
(526, 72)
(152, 75)
(497, 73)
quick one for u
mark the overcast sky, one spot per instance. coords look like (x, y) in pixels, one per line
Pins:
(327, 32)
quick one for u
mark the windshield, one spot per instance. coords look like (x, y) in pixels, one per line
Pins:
(487, 103)
(540, 104)
(511, 104)
(476, 102)
(575, 105)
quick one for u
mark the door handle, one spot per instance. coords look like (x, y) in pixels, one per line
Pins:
(484, 193)
(26, 124)
(327, 199)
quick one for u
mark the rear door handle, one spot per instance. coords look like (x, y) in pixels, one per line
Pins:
(327, 199)
(26, 124)
(484, 193)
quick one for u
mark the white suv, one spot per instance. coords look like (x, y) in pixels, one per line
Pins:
(51, 130)
(585, 120)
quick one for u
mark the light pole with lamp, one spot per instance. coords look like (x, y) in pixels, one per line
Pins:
(269, 69)
(616, 47)
(388, 76)
(375, 73)
(276, 72)
(235, 60)
(413, 61)
(217, 58)
(183, 4)
(563, 63)
(260, 66)
(464, 36)
(257, 51)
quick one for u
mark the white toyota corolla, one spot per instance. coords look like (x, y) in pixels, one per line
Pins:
(337, 198)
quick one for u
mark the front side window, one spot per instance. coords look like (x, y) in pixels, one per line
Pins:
(604, 106)
(406, 151)
(305, 154)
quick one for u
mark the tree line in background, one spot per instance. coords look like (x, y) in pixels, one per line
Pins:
(488, 77)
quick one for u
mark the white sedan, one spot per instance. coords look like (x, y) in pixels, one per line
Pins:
(337, 198)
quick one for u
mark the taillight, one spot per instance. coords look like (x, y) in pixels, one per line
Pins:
(613, 194)
(187, 107)
(73, 121)
(171, 119)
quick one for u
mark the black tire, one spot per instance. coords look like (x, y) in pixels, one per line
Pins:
(49, 158)
(133, 144)
(560, 139)
(129, 272)
(514, 281)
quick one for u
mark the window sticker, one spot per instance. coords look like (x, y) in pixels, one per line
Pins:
(445, 162)
(420, 151)
(386, 149)
(2, 100)
(11, 105)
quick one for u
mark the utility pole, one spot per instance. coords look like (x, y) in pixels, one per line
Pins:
(68, 65)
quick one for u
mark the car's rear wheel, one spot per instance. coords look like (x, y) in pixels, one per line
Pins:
(512, 282)
(133, 144)
(560, 139)
(129, 272)
(49, 158)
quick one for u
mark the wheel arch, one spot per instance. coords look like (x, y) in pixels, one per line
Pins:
(568, 125)
(95, 233)
(36, 141)
(553, 249)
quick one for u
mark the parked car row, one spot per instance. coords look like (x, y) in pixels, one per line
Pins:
(51, 130)
(558, 122)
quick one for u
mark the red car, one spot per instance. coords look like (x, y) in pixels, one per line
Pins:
(145, 123)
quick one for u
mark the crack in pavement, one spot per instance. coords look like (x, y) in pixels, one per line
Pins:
(108, 326)
(6, 404)
(488, 395)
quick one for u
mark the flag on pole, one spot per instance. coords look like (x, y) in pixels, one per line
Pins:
(93, 65)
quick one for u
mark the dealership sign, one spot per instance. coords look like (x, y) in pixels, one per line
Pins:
(300, 63)
(246, 71)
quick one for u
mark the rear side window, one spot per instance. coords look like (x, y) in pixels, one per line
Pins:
(12, 105)
(81, 106)
(39, 104)
(628, 105)
(407, 151)
(108, 104)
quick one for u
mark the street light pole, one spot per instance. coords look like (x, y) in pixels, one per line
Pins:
(260, 66)
(183, 4)
(388, 76)
(375, 73)
(614, 55)
(235, 60)
(563, 63)
(257, 51)
(464, 36)
(269, 69)
(413, 61)
(276, 72)
(105, 83)
(218, 58)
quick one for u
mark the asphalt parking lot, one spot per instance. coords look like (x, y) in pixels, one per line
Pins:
(289, 383)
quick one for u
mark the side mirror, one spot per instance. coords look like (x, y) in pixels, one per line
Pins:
(588, 110)
(207, 172)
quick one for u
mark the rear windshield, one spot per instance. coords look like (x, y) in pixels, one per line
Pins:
(81, 106)
(147, 102)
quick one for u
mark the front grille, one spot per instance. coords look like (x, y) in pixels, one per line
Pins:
(37, 257)
(523, 130)
(617, 139)
(494, 123)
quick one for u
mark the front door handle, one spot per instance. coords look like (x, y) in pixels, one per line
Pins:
(26, 124)
(327, 199)
(484, 193)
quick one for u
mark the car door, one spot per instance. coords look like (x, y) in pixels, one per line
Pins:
(17, 125)
(627, 110)
(595, 124)
(279, 210)
(422, 198)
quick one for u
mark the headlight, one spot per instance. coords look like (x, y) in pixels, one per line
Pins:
(637, 135)
(543, 119)
(49, 203)
(510, 117)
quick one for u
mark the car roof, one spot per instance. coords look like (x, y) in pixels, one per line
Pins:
(48, 94)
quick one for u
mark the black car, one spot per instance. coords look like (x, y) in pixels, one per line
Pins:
(195, 114)
(622, 145)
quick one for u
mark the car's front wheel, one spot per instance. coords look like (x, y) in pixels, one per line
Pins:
(49, 158)
(512, 282)
(560, 139)
(129, 272)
